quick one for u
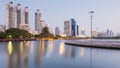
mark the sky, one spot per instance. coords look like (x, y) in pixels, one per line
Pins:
(55, 12)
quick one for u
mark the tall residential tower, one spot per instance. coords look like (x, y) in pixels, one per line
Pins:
(25, 19)
(25, 16)
(10, 16)
(17, 16)
(37, 21)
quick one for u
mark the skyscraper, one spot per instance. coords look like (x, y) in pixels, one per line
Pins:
(17, 16)
(37, 21)
(57, 31)
(25, 16)
(67, 28)
(77, 29)
(109, 33)
(83, 32)
(73, 27)
(10, 16)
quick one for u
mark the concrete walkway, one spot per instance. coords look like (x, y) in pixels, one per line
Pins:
(113, 44)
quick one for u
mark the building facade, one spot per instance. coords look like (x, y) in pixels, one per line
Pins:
(43, 23)
(18, 16)
(109, 33)
(73, 27)
(10, 16)
(67, 28)
(77, 30)
(83, 32)
(25, 19)
(57, 31)
(37, 21)
(15, 18)
(25, 16)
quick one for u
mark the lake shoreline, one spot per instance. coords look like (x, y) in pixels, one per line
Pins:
(15, 40)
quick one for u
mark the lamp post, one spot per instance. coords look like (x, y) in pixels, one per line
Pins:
(91, 12)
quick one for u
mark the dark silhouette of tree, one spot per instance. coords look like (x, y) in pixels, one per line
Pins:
(2, 35)
(17, 33)
(45, 33)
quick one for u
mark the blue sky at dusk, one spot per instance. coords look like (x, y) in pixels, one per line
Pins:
(55, 12)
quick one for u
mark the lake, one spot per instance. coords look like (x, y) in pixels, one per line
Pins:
(55, 54)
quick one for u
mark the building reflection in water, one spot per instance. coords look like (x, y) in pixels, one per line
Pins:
(68, 52)
(40, 50)
(81, 52)
(50, 46)
(37, 53)
(73, 53)
(49, 49)
(18, 54)
(27, 43)
(10, 48)
(42, 47)
(25, 54)
(21, 47)
(61, 49)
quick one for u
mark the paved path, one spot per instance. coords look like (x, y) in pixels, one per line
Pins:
(114, 44)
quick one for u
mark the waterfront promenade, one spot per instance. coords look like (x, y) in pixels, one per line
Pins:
(97, 43)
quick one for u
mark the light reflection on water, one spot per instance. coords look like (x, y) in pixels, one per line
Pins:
(61, 48)
(55, 54)
(10, 47)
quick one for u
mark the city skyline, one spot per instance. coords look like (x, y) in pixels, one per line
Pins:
(106, 14)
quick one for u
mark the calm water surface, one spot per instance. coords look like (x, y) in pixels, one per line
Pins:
(55, 54)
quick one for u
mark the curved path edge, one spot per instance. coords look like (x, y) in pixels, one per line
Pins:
(94, 45)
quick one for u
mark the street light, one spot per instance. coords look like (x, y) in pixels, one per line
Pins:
(91, 12)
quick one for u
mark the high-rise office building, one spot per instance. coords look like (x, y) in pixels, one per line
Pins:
(57, 31)
(67, 28)
(10, 16)
(73, 27)
(17, 16)
(83, 32)
(77, 29)
(109, 33)
(25, 16)
(37, 21)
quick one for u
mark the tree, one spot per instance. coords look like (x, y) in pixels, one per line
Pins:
(45, 33)
(18, 33)
(2, 35)
(45, 30)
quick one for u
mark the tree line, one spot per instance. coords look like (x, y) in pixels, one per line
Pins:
(16, 33)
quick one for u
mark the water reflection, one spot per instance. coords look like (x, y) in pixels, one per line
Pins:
(81, 52)
(50, 46)
(27, 55)
(21, 47)
(68, 52)
(55, 54)
(61, 48)
(10, 48)
(17, 55)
